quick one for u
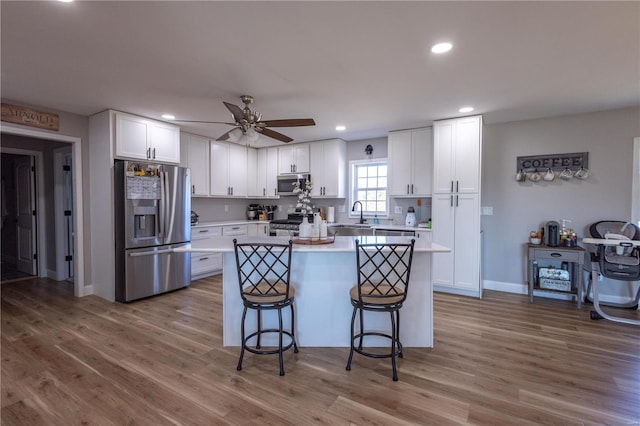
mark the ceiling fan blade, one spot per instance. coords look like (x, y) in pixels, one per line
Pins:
(275, 135)
(236, 111)
(293, 122)
(206, 122)
(226, 135)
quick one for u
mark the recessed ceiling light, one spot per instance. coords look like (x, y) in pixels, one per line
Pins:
(168, 117)
(441, 47)
(65, 1)
(341, 128)
(466, 109)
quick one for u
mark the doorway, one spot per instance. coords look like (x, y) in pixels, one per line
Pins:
(43, 146)
(19, 225)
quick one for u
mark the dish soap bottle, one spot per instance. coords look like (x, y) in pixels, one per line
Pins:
(305, 228)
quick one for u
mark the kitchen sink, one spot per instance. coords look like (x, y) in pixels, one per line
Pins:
(350, 230)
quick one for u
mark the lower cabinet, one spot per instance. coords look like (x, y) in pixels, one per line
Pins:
(456, 224)
(258, 229)
(205, 264)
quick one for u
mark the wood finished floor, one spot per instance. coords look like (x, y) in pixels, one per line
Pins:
(496, 361)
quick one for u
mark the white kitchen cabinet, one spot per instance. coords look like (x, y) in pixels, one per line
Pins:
(293, 158)
(456, 224)
(205, 264)
(195, 155)
(235, 230)
(264, 184)
(144, 139)
(457, 155)
(328, 168)
(455, 205)
(228, 173)
(410, 154)
(258, 230)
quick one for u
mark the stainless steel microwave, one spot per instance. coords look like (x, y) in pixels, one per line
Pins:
(285, 182)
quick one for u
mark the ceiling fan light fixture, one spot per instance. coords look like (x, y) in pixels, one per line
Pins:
(441, 48)
(235, 134)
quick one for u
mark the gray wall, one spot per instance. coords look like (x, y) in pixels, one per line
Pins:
(520, 207)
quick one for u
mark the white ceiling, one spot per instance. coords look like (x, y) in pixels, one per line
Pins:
(366, 65)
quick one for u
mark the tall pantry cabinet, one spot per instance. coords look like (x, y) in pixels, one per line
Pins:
(456, 205)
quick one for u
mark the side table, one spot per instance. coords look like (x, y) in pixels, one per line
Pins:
(572, 255)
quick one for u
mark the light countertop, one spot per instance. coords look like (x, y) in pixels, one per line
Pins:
(370, 225)
(340, 244)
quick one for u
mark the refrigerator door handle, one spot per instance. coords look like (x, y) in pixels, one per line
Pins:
(162, 207)
(150, 253)
(170, 200)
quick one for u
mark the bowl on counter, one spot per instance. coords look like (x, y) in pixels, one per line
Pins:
(535, 240)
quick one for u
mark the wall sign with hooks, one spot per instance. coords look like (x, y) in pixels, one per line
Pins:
(537, 168)
(556, 162)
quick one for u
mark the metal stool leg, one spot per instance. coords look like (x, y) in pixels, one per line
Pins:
(393, 346)
(242, 342)
(400, 354)
(280, 357)
(293, 331)
(353, 320)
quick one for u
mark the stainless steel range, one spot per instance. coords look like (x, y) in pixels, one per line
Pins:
(287, 227)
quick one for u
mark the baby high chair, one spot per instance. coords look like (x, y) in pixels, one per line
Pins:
(615, 254)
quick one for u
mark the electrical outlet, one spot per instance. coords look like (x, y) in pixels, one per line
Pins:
(226, 207)
(487, 211)
(398, 209)
(340, 209)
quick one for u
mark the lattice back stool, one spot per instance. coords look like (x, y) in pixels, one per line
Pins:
(264, 272)
(383, 282)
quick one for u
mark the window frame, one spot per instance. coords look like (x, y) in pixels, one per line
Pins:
(353, 164)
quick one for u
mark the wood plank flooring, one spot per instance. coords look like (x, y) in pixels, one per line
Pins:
(160, 361)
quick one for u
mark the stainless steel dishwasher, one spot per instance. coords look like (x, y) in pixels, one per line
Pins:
(394, 232)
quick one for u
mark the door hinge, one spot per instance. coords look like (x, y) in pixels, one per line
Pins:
(35, 256)
(67, 212)
(33, 168)
(66, 168)
(68, 258)
(34, 213)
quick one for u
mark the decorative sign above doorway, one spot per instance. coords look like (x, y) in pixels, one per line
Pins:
(29, 117)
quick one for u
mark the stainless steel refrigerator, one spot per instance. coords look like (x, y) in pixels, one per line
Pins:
(152, 217)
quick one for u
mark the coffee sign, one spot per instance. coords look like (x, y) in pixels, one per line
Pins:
(29, 117)
(558, 162)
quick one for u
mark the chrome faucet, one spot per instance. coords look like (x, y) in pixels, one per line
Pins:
(353, 209)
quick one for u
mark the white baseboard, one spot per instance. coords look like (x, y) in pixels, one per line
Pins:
(55, 275)
(461, 292)
(87, 290)
(519, 288)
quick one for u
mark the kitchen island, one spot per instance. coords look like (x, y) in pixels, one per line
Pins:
(322, 275)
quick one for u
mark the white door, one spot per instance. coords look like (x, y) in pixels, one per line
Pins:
(198, 162)
(443, 153)
(68, 214)
(164, 141)
(442, 213)
(238, 157)
(467, 242)
(399, 153)
(422, 161)
(467, 155)
(219, 173)
(131, 137)
(26, 221)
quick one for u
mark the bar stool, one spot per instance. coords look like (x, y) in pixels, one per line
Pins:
(383, 282)
(263, 275)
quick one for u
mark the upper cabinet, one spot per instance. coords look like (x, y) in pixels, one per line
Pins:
(140, 138)
(228, 172)
(194, 153)
(293, 158)
(410, 154)
(328, 168)
(457, 148)
(263, 172)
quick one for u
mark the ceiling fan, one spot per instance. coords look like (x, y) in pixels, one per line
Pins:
(249, 123)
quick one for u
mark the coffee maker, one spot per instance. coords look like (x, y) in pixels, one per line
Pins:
(553, 233)
(253, 212)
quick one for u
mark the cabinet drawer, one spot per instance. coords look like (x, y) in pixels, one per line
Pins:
(202, 233)
(234, 230)
(563, 255)
(205, 263)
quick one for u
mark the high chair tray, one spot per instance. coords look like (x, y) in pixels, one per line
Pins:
(610, 242)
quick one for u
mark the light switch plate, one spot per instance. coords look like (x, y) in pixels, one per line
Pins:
(398, 209)
(487, 211)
